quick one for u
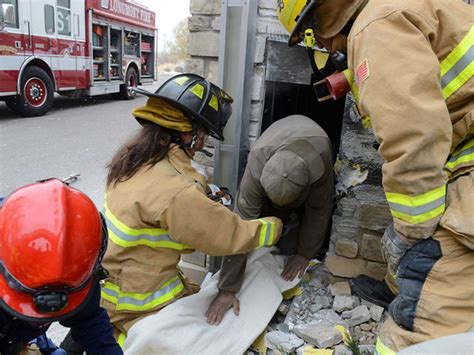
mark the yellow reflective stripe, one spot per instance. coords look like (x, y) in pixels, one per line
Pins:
(458, 67)
(181, 80)
(383, 349)
(418, 200)
(267, 233)
(125, 236)
(131, 301)
(121, 339)
(464, 154)
(420, 208)
(198, 90)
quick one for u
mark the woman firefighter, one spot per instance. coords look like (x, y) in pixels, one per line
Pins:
(156, 205)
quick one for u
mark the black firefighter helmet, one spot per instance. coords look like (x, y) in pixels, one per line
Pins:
(198, 99)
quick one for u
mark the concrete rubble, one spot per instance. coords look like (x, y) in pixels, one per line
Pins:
(309, 319)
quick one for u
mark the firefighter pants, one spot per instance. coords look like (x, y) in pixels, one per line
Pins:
(435, 279)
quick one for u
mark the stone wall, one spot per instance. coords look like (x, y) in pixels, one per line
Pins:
(362, 213)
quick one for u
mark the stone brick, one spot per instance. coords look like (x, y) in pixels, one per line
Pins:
(213, 71)
(370, 247)
(347, 248)
(376, 270)
(205, 7)
(199, 23)
(345, 267)
(266, 12)
(260, 43)
(375, 217)
(216, 24)
(267, 4)
(270, 25)
(204, 44)
(258, 83)
(195, 65)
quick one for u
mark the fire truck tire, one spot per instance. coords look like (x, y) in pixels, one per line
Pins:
(37, 93)
(131, 80)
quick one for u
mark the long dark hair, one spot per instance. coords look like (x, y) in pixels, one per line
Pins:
(147, 147)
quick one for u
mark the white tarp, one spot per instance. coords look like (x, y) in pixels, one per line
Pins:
(181, 327)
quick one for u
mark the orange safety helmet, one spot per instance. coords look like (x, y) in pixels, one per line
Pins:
(52, 240)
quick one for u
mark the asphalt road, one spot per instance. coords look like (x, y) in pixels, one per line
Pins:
(75, 136)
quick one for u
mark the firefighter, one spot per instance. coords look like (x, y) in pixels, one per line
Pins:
(52, 240)
(412, 66)
(288, 175)
(156, 204)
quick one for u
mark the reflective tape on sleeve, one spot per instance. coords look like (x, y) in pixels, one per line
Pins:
(131, 301)
(458, 67)
(420, 208)
(126, 237)
(464, 155)
(121, 339)
(267, 233)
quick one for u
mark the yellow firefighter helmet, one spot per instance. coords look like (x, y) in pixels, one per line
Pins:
(293, 14)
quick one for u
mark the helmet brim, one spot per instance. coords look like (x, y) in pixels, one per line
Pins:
(213, 131)
(21, 305)
(295, 37)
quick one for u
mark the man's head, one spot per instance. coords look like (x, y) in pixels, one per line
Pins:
(52, 240)
(285, 177)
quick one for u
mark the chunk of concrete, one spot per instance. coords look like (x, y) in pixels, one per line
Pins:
(376, 312)
(340, 289)
(343, 303)
(283, 342)
(327, 317)
(323, 336)
(357, 316)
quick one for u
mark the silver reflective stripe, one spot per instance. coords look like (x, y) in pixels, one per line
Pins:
(461, 154)
(460, 65)
(417, 210)
(142, 302)
(133, 238)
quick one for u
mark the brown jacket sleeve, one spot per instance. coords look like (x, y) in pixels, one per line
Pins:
(400, 90)
(194, 220)
(316, 218)
(251, 195)
(248, 205)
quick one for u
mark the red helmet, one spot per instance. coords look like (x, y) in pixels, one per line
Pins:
(52, 240)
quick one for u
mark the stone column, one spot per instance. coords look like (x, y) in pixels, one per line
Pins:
(362, 213)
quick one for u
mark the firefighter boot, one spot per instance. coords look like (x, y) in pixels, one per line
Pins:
(372, 290)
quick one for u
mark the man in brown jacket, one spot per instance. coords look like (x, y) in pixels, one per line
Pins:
(289, 175)
(413, 64)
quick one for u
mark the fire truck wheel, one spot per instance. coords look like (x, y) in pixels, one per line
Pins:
(131, 81)
(36, 93)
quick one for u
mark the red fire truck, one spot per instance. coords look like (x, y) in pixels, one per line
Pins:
(75, 48)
